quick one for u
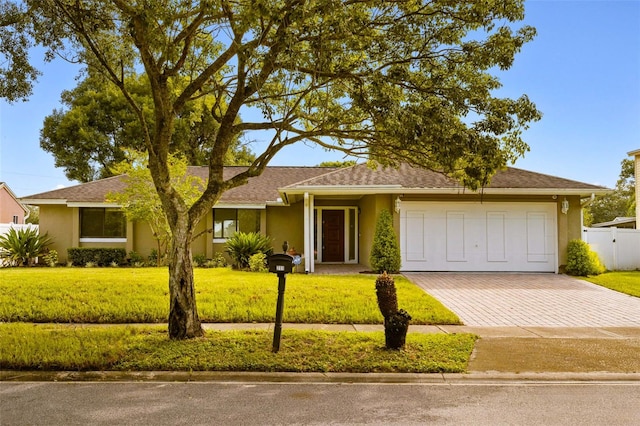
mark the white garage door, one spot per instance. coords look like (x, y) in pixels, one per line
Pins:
(466, 236)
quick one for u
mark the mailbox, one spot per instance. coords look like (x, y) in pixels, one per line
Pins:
(280, 263)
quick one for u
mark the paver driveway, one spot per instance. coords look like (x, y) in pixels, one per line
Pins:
(543, 300)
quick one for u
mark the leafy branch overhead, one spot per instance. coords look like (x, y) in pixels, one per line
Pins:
(391, 80)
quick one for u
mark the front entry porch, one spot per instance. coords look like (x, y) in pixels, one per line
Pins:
(341, 269)
(330, 235)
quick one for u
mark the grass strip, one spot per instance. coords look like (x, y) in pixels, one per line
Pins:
(140, 295)
(147, 348)
(627, 282)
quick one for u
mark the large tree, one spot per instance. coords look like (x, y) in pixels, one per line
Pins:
(394, 81)
(91, 134)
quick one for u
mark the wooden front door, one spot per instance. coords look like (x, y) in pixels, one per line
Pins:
(333, 235)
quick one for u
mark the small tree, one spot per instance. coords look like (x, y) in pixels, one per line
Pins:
(140, 201)
(385, 253)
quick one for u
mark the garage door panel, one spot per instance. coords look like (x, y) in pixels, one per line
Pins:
(478, 237)
(415, 240)
(536, 237)
(455, 237)
(496, 237)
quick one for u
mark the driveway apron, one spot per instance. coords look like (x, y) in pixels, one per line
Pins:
(539, 300)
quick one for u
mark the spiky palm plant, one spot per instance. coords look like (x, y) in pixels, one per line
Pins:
(241, 246)
(20, 247)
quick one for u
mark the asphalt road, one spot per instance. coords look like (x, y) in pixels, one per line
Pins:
(215, 403)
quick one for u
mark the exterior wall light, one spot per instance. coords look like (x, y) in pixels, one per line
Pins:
(398, 203)
(565, 205)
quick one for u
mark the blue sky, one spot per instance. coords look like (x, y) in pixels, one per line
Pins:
(582, 71)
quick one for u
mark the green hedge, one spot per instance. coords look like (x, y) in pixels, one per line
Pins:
(80, 256)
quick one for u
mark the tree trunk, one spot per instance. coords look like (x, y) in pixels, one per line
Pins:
(184, 322)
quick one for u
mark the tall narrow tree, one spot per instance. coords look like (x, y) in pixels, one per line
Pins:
(390, 80)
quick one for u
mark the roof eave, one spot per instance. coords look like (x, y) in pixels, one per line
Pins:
(395, 189)
(43, 201)
(92, 204)
(227, 205)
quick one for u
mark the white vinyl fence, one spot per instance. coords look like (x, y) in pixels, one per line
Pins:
(618, 248)
(4, 227)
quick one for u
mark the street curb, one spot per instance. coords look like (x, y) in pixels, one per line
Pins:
(346, 378)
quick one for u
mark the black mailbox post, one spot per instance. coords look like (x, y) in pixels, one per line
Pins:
(280, 264)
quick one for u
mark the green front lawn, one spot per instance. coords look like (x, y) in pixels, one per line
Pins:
(140, 295)
(624, 281)
(146, 348)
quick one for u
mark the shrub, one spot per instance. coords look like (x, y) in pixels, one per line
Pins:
(258, 262)
(21, 247)
(80, 256)
(199, 260)
(154, 260)
(244, 245)
(218, 261)
(385, 253)
(581, 260)
(135, 258)
(396, 322)
(395, 329)
(51, 258)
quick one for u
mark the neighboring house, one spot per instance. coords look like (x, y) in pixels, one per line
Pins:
(521, 222)
(618, 222)
(12, 211)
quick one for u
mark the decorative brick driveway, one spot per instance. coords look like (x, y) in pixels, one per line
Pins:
(542, 300)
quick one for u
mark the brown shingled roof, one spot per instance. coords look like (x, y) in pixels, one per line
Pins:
(407, 176)
(258, 190)
(265, 188)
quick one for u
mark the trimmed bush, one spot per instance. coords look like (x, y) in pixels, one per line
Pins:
(385, 253)
(80, 256)
(581, 260)
(136, 259)
(244, 245)
(386, 294)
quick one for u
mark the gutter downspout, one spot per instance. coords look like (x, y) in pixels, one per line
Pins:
(24, 218)
(583, 204)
